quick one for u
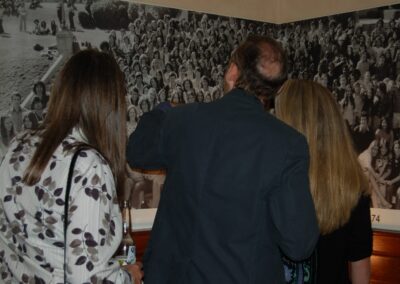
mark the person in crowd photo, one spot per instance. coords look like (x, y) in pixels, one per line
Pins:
(71, 8)
(39, 89)
(22, 16)
(362, 134)
(217, 221)
(7, 130)
(53, 27)
(16, 111)
(338, 185)
(384, 134)
(189, 94)
(86, 120)
(26, 122)
(2, 12)
(374, 169)
(133, 114)
(393, 179)
(36, 113)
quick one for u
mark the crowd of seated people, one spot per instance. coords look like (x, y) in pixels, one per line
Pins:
(19, 118)
(181, 60)
(11, 7)
(360, 64)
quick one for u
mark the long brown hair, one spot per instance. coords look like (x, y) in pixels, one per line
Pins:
(89, 93)
(336, 177)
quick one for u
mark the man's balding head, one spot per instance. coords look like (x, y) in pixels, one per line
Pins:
(258, 66)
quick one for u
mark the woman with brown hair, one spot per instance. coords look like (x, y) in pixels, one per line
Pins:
(337, 182)
(86, 116)
(39, 89)
(36, 114)
(7, 131)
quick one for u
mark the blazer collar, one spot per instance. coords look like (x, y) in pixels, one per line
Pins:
(244, 97)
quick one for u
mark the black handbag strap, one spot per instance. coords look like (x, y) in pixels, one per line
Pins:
(66, 207)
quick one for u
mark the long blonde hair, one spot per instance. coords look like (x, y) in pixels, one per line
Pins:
(336, 178)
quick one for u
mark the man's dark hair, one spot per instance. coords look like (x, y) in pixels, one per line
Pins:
(255, 58)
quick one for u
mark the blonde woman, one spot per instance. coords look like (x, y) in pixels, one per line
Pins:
(337, 182)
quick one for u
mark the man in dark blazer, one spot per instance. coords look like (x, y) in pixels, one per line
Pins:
(237, 189)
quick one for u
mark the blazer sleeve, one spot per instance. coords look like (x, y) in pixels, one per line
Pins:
(292, 207)
(144, 144)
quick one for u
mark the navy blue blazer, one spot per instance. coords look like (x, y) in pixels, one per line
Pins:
(236, 193)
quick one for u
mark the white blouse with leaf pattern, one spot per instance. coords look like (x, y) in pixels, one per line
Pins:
(31, 218)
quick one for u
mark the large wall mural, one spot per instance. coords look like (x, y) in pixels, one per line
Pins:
(180, 56)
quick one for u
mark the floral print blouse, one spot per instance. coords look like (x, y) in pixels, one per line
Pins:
(31, 218)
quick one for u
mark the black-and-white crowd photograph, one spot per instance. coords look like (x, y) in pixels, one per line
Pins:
(172, 57)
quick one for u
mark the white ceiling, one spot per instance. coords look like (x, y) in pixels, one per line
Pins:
(271, 11)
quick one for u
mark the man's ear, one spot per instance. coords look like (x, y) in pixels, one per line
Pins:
(231, 76)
